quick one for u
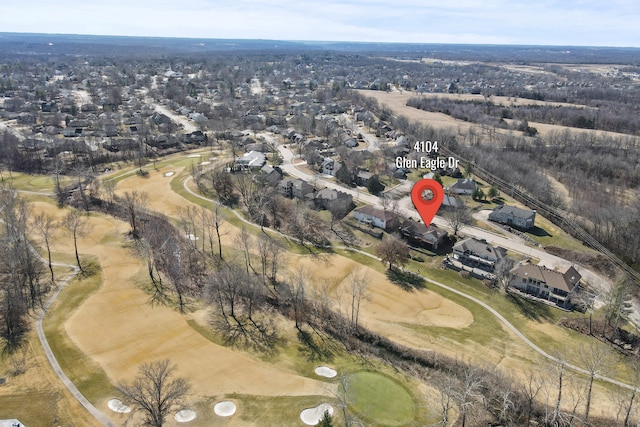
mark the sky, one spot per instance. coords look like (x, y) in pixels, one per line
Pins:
(520, 22)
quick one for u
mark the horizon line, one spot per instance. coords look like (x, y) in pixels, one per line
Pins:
(302, 41)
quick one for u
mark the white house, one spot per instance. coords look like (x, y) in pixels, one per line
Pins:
(511, 215)
(463, 186)
(376, 217)
(251, 160)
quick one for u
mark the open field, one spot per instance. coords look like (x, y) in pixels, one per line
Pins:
(497, 100)
(396, 101)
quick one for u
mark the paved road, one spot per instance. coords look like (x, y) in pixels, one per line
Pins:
(511, 242)
(95, 412)
(187, 125)
(371, 140)
(499, 316)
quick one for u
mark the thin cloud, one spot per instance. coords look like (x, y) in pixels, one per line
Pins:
(567, 22)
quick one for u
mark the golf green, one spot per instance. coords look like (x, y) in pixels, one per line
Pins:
(380, 399)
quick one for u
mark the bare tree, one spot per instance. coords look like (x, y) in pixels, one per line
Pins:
(237, 298)
(153, 392)
(618, 305)
(358, 291)
(469, 391)
(136, 204)
(13, 308)
(392, 251)
(530, 389)
(269, 250)
(223, 187)
(597, 360)
(297, 297)
(558, 370)
(244, 241)
(457, 218)
(343, 397)
(447, 387)
(45, 225)
(109, 187)
(503, 274)
(218, 219)
(75, 225)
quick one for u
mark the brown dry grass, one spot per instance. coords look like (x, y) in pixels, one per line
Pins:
(36, 397)
(118, 329)
(396, 101)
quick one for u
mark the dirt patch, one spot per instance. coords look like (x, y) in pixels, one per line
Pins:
(160, 196)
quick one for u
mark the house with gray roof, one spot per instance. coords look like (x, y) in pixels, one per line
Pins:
(463, 186)
(330, 166)
(295, 188)
(476, 253)
(376, 217)
(251, 160)
(333, 200)
(513, 216)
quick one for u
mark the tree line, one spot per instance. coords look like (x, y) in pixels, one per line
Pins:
(621, 118)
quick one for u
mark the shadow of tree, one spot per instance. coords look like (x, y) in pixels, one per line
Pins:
(533, 310)
(405, 279)
(312, 349)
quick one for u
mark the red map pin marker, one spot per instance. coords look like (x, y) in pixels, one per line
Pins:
(427, 196)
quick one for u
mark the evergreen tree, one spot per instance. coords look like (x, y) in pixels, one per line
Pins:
(437, 178)
(493, 192)
(477, 194)
(326, 420)
(374, 185)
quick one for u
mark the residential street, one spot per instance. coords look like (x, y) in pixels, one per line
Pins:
(508, 241)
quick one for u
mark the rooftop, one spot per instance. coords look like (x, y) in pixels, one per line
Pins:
(565, 279)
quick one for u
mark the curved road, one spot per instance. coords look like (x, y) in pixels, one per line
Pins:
(288, 167)
(95, 412)
(499, 316)
(406, 208)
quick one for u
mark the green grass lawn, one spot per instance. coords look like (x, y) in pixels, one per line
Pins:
(27, 182)
(380, 400)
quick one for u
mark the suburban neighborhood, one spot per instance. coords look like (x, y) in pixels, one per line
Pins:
(230, 225)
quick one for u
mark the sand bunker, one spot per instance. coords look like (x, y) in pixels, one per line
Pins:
(325, 371)
(312, 416)
(193, 155)
(116, 405)
(205, 163)
(169, 173)
(226, 408)
(185, 415)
